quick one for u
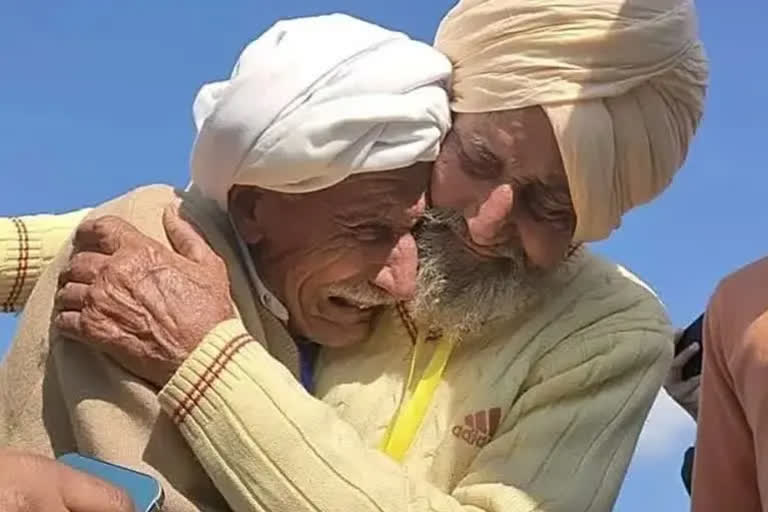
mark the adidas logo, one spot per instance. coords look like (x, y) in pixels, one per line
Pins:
(479, 428)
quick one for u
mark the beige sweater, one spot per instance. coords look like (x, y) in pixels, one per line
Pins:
(57, 396)
(538, 414)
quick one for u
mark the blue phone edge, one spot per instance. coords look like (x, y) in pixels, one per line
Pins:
(75, 460)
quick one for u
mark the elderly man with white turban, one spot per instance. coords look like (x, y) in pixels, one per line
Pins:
(517, 379)
(305, 190)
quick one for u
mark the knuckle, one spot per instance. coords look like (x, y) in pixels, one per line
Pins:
(118, 500)
(115, 498)
(101, 226)
(90, 298)
(63, 324)
(76, 259)
(107, 222)
(89, 327)
(110, 228)
(85, 227)
(97, 295)
(66, 274)
(78, 262)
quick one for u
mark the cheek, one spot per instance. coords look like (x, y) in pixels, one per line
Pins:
(544, 246)
(331, 266)
(451, 187)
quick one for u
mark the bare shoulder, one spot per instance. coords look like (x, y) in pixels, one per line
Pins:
(740, 301)
(746, 280)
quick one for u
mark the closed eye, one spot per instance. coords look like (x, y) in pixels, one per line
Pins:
(548, 204)
(482, 164)
(371, 232)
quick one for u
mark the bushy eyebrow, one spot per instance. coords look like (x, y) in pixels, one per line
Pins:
(383, 214)
(547, 202)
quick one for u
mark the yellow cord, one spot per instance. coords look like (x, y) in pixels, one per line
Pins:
(410, 415)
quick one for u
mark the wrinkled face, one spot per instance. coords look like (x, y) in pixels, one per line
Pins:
(502, 171)
(336, 256)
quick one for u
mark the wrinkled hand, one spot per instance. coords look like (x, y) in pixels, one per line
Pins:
(29, 483)
(684, 392)
(143, 304)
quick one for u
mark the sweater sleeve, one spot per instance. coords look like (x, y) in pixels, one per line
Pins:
(269, 445)
(27, 246)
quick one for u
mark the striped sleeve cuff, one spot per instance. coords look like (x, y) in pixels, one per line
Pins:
(27, 246)
(20, 262)
(183, 393)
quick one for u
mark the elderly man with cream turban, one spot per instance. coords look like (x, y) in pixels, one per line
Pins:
(514, 383)
(567, 115)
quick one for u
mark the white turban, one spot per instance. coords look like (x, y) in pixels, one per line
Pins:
(314, 100)
(622, 82)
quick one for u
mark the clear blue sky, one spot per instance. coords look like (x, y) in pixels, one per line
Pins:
(95, 98)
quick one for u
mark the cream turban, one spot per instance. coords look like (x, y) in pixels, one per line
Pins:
(314, 100)
(622, 82)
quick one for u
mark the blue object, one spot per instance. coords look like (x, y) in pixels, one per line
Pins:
(308, 352)
(687, 470)
(145, 491)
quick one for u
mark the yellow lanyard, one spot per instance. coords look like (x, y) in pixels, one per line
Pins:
(410, 415)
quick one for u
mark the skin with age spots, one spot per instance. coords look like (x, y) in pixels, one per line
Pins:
(346, 251)
(503, 172)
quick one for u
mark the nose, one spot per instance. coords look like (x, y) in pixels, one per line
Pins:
(488, 219)
(398, 276)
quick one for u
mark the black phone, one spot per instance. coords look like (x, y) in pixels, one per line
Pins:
(692, 334)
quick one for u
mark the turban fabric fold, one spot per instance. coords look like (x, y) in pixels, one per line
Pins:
(621, 81)
(315, 100)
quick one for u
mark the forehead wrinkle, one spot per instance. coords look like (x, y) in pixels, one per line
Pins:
(378, 206)
(378, 195)
(389, 211)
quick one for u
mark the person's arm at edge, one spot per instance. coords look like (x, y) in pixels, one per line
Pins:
(27, 245)
(725, 472)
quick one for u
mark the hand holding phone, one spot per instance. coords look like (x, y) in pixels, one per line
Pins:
(144, 490)
(692, 334)
(32, 483)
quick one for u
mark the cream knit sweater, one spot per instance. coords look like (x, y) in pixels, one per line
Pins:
(27, 246)
(537, 414)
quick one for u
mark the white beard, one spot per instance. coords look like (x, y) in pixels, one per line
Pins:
(457, 291)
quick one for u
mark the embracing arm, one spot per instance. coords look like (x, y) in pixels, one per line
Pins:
(564, 446)
(27, 245)
(731, 463)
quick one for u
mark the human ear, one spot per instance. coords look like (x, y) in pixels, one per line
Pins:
(244, 205)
